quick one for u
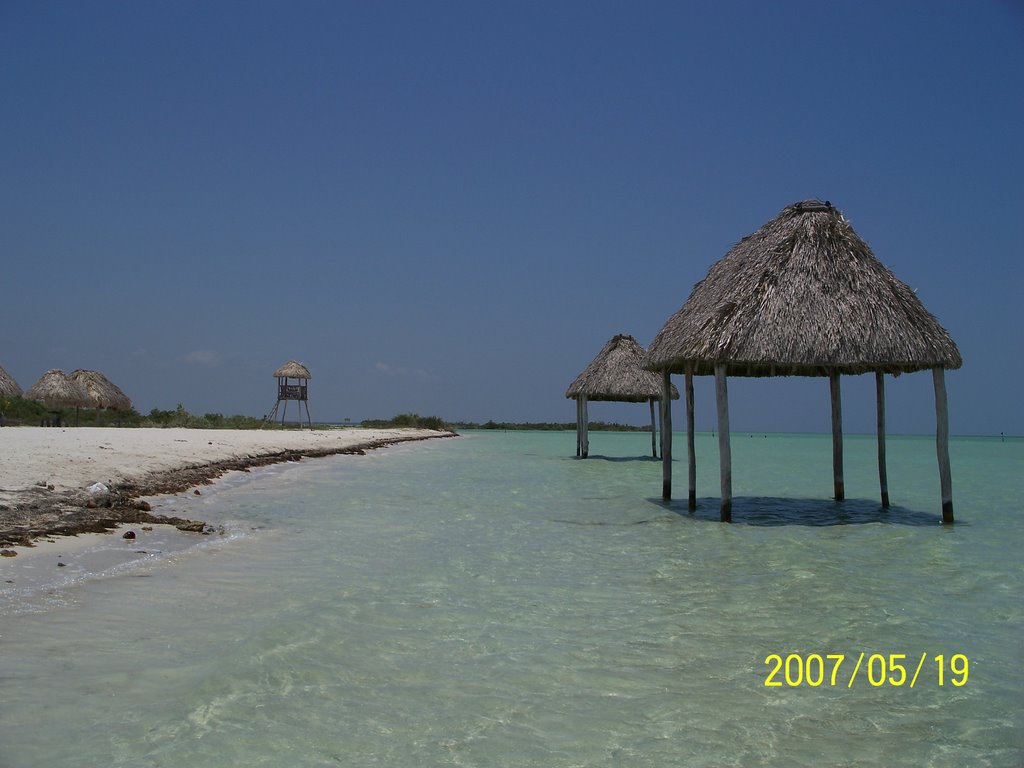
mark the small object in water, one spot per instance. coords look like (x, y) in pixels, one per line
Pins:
(128, 535)
(196, 492)
(60, 564)
(8, 553)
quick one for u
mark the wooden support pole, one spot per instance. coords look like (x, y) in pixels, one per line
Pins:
(579, 428)
(942, 443)
(654, 432)
(690, 444)
(666, 436)
(660, 427)
(837, 436)
(883, 480)
(586, 425)
(724, 449)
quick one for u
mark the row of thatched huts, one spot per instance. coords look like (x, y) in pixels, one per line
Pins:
(802, 296)
(79, 389)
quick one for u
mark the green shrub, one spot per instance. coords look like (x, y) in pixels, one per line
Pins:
(412, 420)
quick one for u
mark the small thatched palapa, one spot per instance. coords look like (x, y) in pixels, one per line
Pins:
(56, 391)
(616, 374)
(101, 391)
(8, 386)
(293, 370)
(804, 296)
(286, 391)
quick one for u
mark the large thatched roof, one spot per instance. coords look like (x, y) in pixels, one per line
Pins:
(293, 370)
(617, 374)
(8, 386)
(803, 295)
(55, 391)
(101, 391)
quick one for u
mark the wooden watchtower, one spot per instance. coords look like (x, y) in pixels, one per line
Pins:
(292, 378)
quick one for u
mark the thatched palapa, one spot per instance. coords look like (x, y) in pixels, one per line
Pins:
(56, 391)
(616, 374)
(8, 386)
(804, 296)
(101, 391)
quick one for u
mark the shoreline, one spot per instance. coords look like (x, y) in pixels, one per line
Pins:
(47, 473)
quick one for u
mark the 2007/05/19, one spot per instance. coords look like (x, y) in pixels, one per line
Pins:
(796, 670)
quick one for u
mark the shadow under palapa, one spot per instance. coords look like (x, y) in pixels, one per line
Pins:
(774, 510)
(595, 457)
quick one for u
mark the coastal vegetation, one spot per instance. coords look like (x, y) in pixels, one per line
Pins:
(413, 420)
(19, 411)
(548, 426)
(436, 422)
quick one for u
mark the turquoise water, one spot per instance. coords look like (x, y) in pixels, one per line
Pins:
(493, 601)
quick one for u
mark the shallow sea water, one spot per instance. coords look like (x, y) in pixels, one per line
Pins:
(491, 600)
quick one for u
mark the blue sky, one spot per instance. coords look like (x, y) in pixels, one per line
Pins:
(449, 207)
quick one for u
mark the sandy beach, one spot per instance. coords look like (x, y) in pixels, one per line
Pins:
(49, 477)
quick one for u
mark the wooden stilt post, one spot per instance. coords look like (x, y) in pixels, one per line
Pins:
(654, 432)
(586, 425)
(690, 444)
(579, 428)
(942, 443)
(666, 436)
(724, 449)
(837, 436)
(883, 480)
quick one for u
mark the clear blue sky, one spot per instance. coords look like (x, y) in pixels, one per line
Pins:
(449, 207)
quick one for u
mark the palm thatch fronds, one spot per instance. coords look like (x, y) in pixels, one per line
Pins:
(293, 370)
(101, 391)
(8, 386)
(617, 374)
(802, 296)
(56, 391)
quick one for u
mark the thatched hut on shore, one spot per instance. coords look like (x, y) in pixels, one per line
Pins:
(8, 386)
(288, 391)
(57, 391)
(616, 374)
(101, 391)
(802, 296)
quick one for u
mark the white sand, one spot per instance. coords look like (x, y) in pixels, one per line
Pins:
(72, 459)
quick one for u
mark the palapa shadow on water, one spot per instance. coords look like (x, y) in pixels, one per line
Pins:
(774, 510)
(595, 457)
